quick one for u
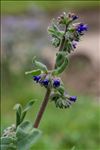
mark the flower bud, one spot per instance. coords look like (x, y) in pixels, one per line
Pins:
(56, 83)
(73, 98)
(36, 78)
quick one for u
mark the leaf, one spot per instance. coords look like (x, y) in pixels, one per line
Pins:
(28, 106)
(26, 135)
(60, 58)
(8, 143)
(39, 65)
(55, 42)
(33, 72)
(18, 109)
(61, 68)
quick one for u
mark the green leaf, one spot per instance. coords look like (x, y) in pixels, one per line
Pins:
(39, 65)
(33, 72)
(18, 109)
(61, 68)
(8, 143)
(55, 42)
(28, 106)
(26, 135)
(60, 58)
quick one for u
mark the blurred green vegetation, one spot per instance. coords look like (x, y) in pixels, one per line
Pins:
(50, 6)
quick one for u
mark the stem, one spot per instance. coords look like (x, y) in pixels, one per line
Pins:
(42, 108)
(46, 98)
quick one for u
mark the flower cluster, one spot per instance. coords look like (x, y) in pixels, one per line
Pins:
(58, 94)
(66, 18)
(73, 31)
(62, 100)
(47, 80)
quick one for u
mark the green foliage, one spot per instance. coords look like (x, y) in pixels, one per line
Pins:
(39, 65)
(60, 58)
(61, 68)
(26, 135)
(8, 143)
(20, 114)
(33, 72)
(56, 34)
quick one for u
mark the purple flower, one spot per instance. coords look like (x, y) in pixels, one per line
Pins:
(56, 83)
(74, 44)
(82, 27)
(36, 78)
(74, 17)
(73, 98)
(45, 82)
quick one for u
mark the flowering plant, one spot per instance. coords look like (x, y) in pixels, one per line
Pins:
(64, 34)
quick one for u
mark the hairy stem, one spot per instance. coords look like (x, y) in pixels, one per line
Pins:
(42, 108)
(47, 95)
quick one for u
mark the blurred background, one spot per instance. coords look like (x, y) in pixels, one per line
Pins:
(24, 34)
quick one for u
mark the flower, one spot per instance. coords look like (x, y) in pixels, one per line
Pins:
(36, 78)
(45, 82)
(56, 83)
(82, 27)
(74, 44)
(74, 17)
(73, 98)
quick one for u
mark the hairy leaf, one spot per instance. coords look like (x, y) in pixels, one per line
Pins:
(28, 106)
(18, 109)
(33, 72)
(61, 68)
(26, 135)
(8, 143)
(39, 65)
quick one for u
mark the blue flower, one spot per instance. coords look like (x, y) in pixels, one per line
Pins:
(82, 27)
(36, 78)
(74, 17)
(74, 44)
(56, 83)
(45, 82)
(73, 98)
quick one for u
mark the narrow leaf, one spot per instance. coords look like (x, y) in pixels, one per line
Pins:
(39, 65)
(61, 68)
(60, 58)
(28, 106)
(18, 109)
(33, 72)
